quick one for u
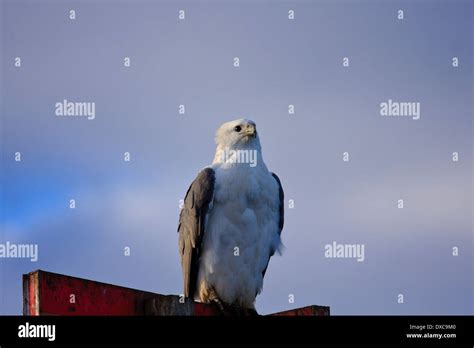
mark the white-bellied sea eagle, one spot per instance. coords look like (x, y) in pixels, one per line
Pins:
(231, 221)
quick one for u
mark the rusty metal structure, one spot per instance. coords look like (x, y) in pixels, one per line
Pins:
(46, 293)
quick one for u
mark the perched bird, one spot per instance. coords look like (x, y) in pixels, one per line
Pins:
(231, 221)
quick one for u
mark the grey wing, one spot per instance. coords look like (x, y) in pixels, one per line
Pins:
(281, 196)
(282, 203)
(191, 228)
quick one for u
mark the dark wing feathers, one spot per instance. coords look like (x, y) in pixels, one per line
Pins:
(282, 215)
(282, 203)
(191, 226)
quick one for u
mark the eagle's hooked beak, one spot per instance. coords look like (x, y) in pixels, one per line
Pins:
(251, 130)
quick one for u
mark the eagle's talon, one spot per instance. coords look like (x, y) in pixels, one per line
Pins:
(220, 306)
(251, 312)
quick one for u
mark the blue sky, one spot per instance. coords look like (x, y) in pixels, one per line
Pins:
(282, 62)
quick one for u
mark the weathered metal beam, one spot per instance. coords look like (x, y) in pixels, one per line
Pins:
(305, 311)
(46, 293)
(57, 294)
(175, 305)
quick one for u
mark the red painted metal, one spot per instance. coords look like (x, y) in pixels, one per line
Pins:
(70, 296)
(305, 311)
(33, 295)
(201, 309)
(30, 294)
(46, 293)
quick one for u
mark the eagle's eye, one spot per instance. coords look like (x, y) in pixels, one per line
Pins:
(237, 128)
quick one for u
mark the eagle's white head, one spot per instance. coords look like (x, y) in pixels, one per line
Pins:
(238, 135)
